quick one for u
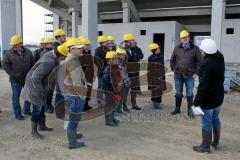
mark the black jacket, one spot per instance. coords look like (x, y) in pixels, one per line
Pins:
(156, 72)
(37, 54)
(134, 55)
(100, 59)
(210, 93)
(87, 65)
(17, 66)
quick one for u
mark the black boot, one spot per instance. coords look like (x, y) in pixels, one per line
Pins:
(42, 125)
(190, 111)
(178, 103)
(216, 138)
(206, 142)
(72, 139)
(86, 106)
(35, 133)
(50, 109)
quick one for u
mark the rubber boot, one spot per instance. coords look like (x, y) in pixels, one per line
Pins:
(178, 103)
(86, 106)
(50, 109)
(42, 125)
(155, 105)
(35, 133)
(114, 119)
(190, 111)
(109, 120)
(72, 139)
(79, 135)
(216, 137)
(206, 142)
(125, 108)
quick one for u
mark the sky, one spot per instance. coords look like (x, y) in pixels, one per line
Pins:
(33, 22)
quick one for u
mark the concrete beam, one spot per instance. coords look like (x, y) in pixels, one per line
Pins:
(218, 15)
(60, 12)
(90, 20)
(73, 4)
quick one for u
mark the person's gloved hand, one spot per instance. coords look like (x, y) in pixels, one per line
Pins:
(117, 97)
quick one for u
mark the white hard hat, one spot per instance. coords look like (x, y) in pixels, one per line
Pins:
(208, 46)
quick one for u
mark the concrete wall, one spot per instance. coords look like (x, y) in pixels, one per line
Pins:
(168, 28)
(230, 42)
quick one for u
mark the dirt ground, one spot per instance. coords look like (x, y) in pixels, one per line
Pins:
(144, 135)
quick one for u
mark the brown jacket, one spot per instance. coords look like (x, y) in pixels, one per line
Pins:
(186, 62)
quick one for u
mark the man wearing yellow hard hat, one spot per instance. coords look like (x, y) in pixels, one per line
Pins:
(48, 45)
(111, 43)
(111, 85)
(17, 62)
(185, 62)
(75, 79)
(60, 37)
(88, 67)
(134, 54)
(101, 62)
(36, 89)
(37, 52)
(156, 75)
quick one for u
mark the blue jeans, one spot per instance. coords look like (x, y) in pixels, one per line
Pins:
(210, 119)
(100, 91)
(37, 113)
(75, 104)
(16, 92)
(189, 83)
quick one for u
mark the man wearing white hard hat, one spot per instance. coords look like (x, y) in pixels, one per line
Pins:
(210, 94)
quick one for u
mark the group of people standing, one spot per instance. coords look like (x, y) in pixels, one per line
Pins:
(66, 66)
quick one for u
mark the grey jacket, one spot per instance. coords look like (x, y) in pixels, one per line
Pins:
(18, 65)
(36, 86)
(186, 62)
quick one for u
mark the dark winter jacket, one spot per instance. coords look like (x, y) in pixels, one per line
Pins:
(18, 65)
(87, 65)
(185, 62)
(111, 79)
(156, 72)
(37, 54)
(100, 59)
(210, 93)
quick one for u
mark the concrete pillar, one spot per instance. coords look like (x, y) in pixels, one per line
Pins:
(218, 15)
(90, 20)
(10, 22)
(126, 12)
(65, 26)
(19, 20)
(56, 23)
(75, 18)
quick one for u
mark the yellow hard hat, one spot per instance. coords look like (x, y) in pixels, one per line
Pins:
(128, 37)
(184, 33)
(110, 38)
(68, 38)
(59, 32)
(111, 54)
(41, 41)
(63, 49)
(73, 42)
(16, 39)
(102, 39)
(153, 46)
(47, 40)
(84, 40)
(121, 51)
(82, 37)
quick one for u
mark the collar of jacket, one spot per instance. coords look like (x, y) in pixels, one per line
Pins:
(191, 45)
(23, 50)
